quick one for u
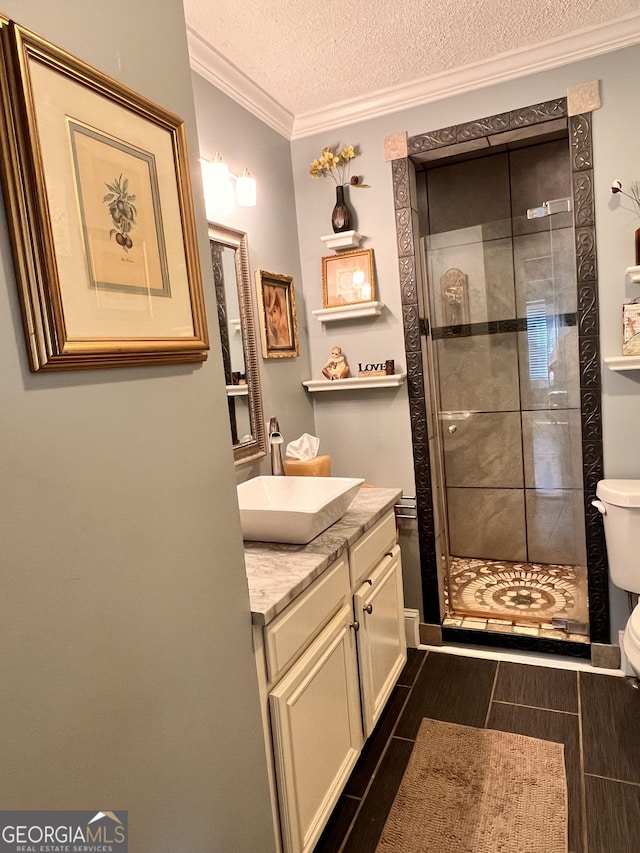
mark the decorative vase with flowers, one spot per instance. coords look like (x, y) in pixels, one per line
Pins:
(634, 195)
(337, 163)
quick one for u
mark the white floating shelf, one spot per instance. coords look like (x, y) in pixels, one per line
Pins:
(633, 273)
(623, 362)
(355, 383)
(237, 390)
(342, 240)
(349, 312)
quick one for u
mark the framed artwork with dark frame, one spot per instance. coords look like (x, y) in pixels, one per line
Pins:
(277, 309)
(348, 278)
(98, 197)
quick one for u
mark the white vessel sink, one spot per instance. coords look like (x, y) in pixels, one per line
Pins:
(293, 509)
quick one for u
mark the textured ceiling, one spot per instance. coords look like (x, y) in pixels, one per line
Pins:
(311, 55)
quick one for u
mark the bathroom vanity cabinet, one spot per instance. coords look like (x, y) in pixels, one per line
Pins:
(327, 663)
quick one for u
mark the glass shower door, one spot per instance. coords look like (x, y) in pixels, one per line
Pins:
(502, 304)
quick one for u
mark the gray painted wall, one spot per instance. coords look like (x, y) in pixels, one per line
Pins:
(368, 434)
(272, 230)
(245, 141)
(127, 673)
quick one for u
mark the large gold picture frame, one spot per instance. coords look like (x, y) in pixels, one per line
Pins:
(98, 197)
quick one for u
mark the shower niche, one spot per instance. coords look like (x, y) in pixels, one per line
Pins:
(505, 387)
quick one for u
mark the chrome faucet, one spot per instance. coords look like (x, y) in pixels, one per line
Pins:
(275, 444)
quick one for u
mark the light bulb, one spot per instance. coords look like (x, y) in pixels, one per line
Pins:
(218, 192)
(246, 190)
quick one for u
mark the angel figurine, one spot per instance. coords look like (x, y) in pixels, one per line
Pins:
(336, 367)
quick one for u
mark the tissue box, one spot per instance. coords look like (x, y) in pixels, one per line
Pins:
(319, 466)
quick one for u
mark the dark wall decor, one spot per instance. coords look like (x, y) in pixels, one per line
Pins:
(526, 123)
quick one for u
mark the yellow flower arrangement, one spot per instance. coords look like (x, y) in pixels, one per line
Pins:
(336, 163)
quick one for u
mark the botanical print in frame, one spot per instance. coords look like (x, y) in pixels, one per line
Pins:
(347, 278)
(126, 248)
(277, 309)
(98, 195)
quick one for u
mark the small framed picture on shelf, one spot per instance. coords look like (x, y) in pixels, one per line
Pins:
(631, 329)
(348, 278)
(277, 309)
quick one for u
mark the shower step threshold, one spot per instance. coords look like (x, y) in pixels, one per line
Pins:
(542, 630)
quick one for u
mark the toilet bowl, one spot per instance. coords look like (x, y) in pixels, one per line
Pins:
(631, 641)
(619, 503)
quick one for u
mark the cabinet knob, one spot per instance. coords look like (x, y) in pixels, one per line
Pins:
(355, 625)
(453, 428)
(368, 608)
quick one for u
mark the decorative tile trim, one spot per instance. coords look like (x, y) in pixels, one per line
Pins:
(538, 113)
(429, 141)
(589, 363)
(584, 98)
(489, 126)
(411, 323)
(581, 142)
(591, 418)
(395, 146)
(583, 213)
(588, 308)
(400, 169)
(483, 127)
(581, 148)
(404, 232)
(586, 261)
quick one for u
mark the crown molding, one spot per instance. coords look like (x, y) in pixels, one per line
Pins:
(508, 66)
(208, 63)
(563, 50)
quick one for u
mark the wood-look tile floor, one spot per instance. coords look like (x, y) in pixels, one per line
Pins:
(597, 717)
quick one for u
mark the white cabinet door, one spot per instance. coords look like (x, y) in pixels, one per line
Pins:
(382, 645)
(317, 732)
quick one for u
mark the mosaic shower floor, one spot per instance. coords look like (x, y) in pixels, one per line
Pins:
(518, 598)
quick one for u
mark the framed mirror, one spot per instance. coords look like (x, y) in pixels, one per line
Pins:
(230, 262)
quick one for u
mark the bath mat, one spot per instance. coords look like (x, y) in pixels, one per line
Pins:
(469, 790)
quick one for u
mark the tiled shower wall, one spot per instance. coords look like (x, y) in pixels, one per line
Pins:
(512, 443)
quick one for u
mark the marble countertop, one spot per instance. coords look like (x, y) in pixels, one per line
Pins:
(278, 573)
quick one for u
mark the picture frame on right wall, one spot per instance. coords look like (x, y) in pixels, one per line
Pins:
(348, 278)
(631, 329)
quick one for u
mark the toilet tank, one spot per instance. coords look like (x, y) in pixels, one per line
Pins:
(620, 508)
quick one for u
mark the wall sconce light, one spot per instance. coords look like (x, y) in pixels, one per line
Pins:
(246, 190)
(218, 188)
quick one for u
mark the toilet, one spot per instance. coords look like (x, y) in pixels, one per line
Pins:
(619, 503)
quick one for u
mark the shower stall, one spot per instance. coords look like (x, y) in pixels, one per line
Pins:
(506, 544)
